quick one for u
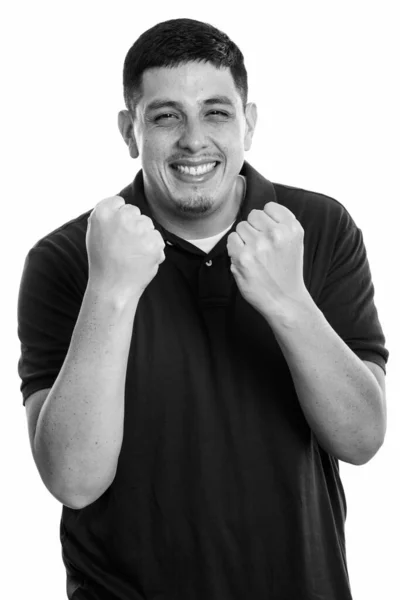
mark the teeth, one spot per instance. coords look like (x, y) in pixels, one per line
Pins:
(200, 170)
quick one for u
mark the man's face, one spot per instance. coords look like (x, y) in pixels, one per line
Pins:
(191, 133)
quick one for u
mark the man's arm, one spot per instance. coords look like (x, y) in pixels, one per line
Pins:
(77, 437)
(340, 396)
(79, 429)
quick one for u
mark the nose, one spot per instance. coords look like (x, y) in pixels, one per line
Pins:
(193, 137)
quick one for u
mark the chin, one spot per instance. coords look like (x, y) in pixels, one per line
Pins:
(196, 205)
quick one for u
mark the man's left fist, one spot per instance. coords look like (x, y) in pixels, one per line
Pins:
(266, 253)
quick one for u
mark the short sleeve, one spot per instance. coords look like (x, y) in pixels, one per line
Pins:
(51, 291)
(347, 297)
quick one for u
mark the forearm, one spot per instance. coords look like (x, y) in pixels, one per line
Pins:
(339, 396)
(80, 427)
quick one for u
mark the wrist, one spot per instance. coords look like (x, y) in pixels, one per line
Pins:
(118, 296)
(291, 312)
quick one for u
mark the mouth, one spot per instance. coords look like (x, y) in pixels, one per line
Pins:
(194, 173)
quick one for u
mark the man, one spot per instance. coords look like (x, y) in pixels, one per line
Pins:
(199, 352)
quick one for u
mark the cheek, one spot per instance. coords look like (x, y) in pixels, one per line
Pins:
(234, 144)
(148, 147)
(234, 151)
(152, 153)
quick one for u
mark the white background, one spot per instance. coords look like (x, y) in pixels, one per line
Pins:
(324, 77)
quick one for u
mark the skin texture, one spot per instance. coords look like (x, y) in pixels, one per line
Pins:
(191, 130)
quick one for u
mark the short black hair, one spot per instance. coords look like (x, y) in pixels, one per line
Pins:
(176, 42)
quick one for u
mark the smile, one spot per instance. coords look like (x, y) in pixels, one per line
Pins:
(195, 171)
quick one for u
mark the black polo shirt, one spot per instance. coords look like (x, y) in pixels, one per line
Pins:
(222, 491)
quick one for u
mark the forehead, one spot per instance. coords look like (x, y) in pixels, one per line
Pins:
(191, 82)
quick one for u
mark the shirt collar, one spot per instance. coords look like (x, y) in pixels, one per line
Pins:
(259, 191)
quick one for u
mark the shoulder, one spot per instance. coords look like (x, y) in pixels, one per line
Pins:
(59, 256)
(321, 215)
(311, 203)
(311, 208)
(71, 233)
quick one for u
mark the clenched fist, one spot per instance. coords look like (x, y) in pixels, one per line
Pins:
(124, 249)
(267, 259)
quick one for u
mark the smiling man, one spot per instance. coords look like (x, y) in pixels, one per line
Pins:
(199, 352)
(191, 128)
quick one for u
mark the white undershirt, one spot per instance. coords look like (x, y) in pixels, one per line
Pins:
(206, 244)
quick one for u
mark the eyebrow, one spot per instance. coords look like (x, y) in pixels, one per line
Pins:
(166, 103)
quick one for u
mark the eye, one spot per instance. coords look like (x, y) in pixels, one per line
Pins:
(165, 117)
(218, 113)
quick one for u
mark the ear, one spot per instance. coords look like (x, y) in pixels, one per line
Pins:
(251, 120)
(125, 125)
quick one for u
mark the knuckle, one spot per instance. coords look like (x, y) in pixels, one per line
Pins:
(276, 235)
(133, 209)
(158, 240)
(113, 201)
(144, 225)
(104, 206)
(152, 247)
(147, 221)
(244, 258)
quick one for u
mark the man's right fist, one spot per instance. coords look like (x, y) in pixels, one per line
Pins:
(124, 250)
